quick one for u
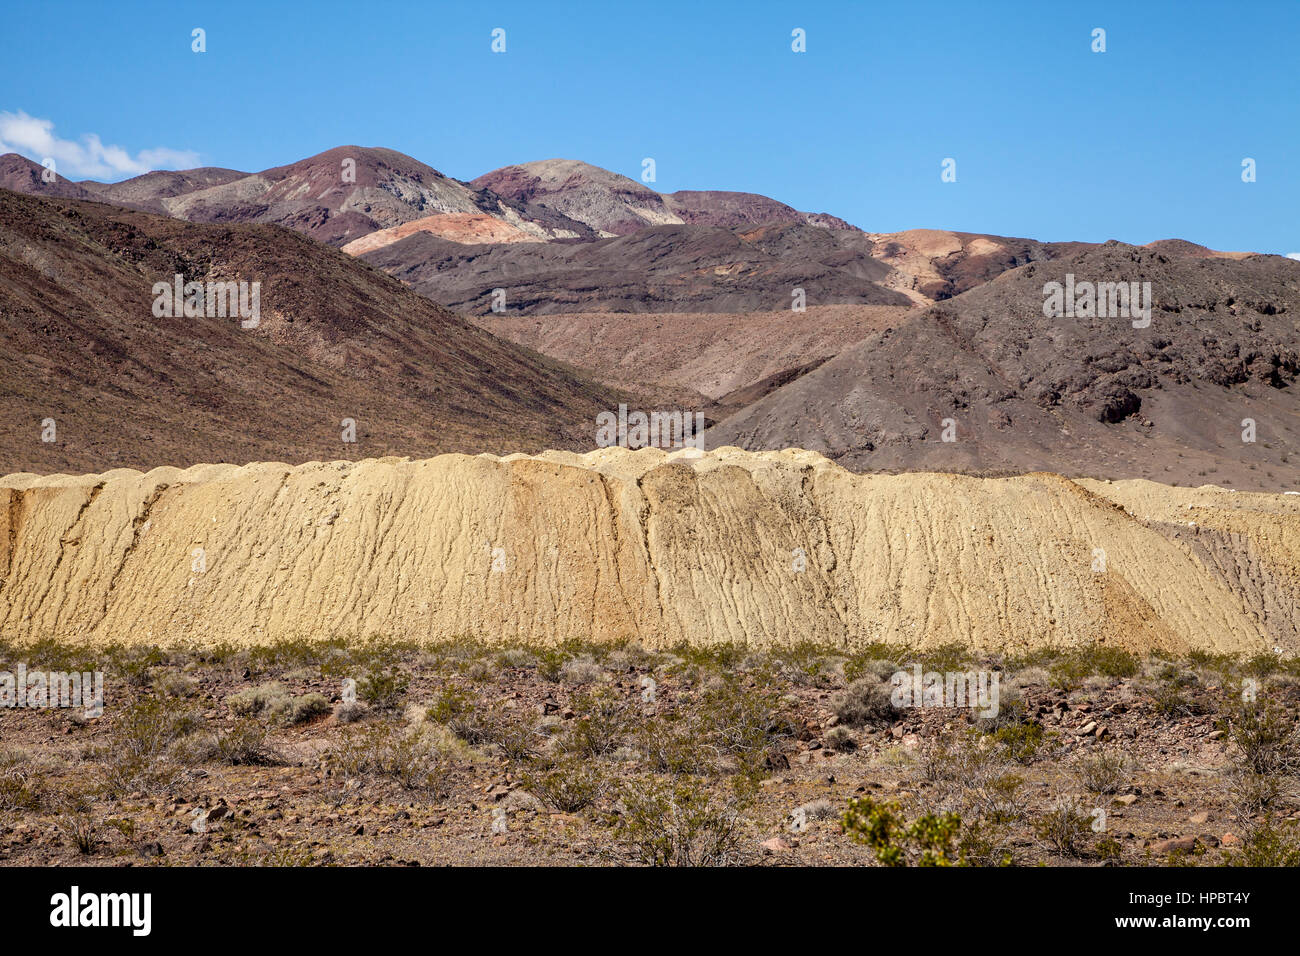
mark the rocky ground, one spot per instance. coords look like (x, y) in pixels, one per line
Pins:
(468, 754)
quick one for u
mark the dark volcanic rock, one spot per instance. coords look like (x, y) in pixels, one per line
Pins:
(660, 269)
(1085, 395)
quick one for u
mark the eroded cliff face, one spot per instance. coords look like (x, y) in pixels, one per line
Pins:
(725, 546)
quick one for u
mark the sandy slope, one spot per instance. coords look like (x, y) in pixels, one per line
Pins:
(616, 544)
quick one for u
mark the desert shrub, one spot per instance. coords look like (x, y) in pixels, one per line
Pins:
(1268, 844)
(865, 701)
(877, 660)
(1252, 792)
(605, 718)
(1074, 667)
(273, 701)
(974, 777)
(307, 707)
(807, 665)
(568, 785)
(148, 728)
(174, 684)
(1261, 665)
(677, 745)
(841, 739)
(1012, 709)
(1020, 741)
(711, 658)
(1063, 827)
(741, 723)
(1103, 772)
(515, 736)
(139, 757)
(1108, 848)
(243, 744)
(952, 656)
(925, 841)
(628, 657)
(80, 831)
(1033, 677)
(450, 703)
(21, 788)
(382, 750)
(383, 690)
(821, 809)
(1171, 700)
(270, 697)
(136, 663)
(289, 854)
(550, 661)
(581, 670)
(479, 670)
(1105, 661)
(350, 711)
(1264, 739)
(516, 657)
(678, 822)
(1223, 664)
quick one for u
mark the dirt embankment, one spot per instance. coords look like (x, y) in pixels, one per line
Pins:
(768, 548)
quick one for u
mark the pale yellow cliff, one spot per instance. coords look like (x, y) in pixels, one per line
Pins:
(767, 548)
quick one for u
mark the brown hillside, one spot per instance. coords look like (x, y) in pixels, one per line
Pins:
(80, 344)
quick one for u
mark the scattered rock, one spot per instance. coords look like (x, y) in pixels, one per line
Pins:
(1183, 844)
(775, 845)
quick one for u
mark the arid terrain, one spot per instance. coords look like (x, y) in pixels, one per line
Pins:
(82, 346)
(462, 753)
(761, 549)
(366, 585)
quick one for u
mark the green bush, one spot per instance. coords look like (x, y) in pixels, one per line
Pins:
(383, 690)
(679, 823)
(925, 841)
(568, 785)
(1021, 741)
(865, 701)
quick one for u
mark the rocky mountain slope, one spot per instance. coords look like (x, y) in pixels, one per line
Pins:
(1080, 395)
(615, 205)
(712, 354)
(81, 345)
(335, 196)
(659, 269)
(770, 549)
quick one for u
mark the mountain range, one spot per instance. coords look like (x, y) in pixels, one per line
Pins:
(504, 312)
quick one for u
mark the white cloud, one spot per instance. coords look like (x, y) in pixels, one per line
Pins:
(1293, 255)
(34, 138)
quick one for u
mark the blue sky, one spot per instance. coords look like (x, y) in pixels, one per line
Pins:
(1051, 140)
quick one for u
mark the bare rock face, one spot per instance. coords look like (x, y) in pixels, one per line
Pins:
(373, 188)
(462, 227)
(21, 175)
(720, 356)
(335, 196)
(615, 205)
(609, 203)
(724, 546)
(672, 268)
(81, 345)
(986, 381)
